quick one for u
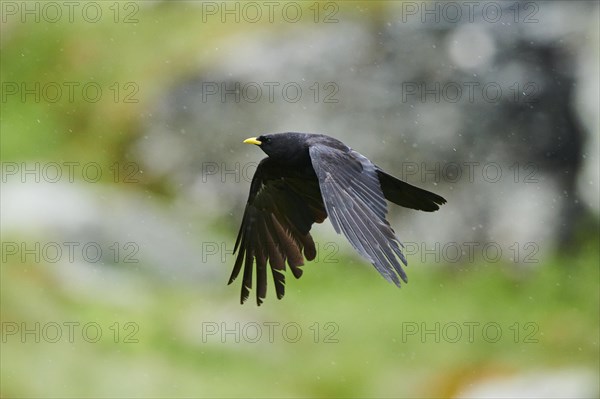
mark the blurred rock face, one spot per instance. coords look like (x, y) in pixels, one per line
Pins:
(482, 108)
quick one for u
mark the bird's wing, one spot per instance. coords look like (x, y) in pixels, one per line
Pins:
(356, 207)
(280, 211)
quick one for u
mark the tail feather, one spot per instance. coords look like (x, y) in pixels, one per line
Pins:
(407, 195)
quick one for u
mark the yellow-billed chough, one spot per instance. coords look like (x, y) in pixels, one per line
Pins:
(304, 179)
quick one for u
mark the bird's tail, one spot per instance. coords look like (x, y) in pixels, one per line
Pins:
(407, 195)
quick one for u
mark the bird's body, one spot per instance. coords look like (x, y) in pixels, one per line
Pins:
(305, 179)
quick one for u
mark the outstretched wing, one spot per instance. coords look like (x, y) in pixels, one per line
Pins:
(281, 208)
(356, 207)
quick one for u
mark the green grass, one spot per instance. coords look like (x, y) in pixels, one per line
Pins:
(365, 350)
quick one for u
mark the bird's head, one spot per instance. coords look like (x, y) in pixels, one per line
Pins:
(283, 147)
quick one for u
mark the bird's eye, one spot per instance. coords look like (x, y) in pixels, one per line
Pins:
(268, 140)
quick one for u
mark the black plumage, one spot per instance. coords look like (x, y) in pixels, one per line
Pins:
(304, 179)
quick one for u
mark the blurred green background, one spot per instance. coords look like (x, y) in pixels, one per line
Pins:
(124, 180)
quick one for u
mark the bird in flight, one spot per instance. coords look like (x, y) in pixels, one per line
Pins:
(305, 179)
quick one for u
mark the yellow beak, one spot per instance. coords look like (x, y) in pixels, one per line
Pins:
(252, 140)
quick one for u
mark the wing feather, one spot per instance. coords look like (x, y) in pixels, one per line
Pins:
(356, 206)
(281, 208)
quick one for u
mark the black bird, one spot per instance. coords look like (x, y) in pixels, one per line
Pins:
(304, 179)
